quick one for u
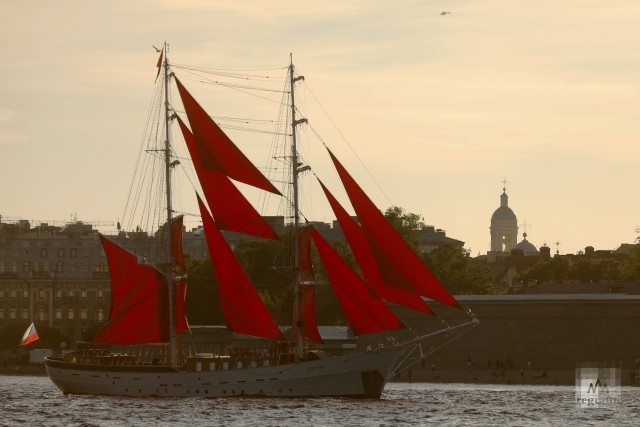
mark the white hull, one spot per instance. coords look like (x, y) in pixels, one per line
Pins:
(361, 375)
(358, 375)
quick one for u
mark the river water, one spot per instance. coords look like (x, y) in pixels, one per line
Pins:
(34, 401)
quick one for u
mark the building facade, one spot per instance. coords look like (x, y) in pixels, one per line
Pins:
(59, 276)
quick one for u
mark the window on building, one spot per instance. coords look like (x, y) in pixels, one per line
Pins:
(1, 314)
(43, 267)
(72, 267)
(100, 315)
(59, 267)
(42, 315)
(59, 293)
(13, 294)
(87, 253)
(25, 293)
(58, 314)
(83, 294)
(85, 267)
(43, 253)
(25, 314)
(83, 314)
(27, 252)
(41, 293)
(70, 292)
(100, 293)
(101, 267)
(14, 267)
(26, 267)
(61, 253)
(145, 252)
(12, 313)
(1, 267)
(73, 252)
(71, 314)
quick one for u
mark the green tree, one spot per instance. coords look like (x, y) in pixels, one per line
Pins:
(630, 270)
(407, 224)
(539, 272)
(459, 273)
(202, 305)
(560, 267)
(588, 270)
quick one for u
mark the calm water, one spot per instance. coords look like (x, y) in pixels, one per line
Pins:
(34, 401)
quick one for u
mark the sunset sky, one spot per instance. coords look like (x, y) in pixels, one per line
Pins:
(439, 108)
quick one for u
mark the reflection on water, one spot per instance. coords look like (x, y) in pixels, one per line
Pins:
(35, 401)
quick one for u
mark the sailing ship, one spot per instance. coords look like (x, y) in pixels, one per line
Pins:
(148, 300)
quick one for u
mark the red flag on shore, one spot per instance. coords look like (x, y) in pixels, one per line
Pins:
(30, 335)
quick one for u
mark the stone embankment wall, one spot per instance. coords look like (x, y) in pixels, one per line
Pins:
(533, 339)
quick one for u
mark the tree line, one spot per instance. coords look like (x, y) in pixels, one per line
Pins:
(585, 268)
(268, 264)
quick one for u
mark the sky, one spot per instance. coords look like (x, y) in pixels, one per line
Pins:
(441, 109)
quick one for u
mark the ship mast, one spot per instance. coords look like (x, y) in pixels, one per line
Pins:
(296, 216)
(173, 347)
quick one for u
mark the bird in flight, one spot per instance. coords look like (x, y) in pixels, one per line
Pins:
(444, 12)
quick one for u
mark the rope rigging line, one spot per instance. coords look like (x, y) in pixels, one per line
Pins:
(348, 144)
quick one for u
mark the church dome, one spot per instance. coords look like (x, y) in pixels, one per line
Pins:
(503, 212)
(526, 246)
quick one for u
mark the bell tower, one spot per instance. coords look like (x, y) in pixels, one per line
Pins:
(504, 226)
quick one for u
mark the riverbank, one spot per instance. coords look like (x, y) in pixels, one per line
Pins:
(488, 376)
(512, 376)
(32, 370)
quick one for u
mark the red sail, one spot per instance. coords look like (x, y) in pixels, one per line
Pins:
(397, 263)
(180, 286)
(361, 251)
(307, 292)
(306, 268)
(365, 312)
(139, 306)
(180, 297)
(242, 307)
(176, 241)
(308, 307)
(216, 150)
(230, 209)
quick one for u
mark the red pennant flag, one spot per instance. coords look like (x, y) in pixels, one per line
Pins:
(159, 64)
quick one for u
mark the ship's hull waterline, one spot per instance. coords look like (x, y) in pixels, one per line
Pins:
(361, 375)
